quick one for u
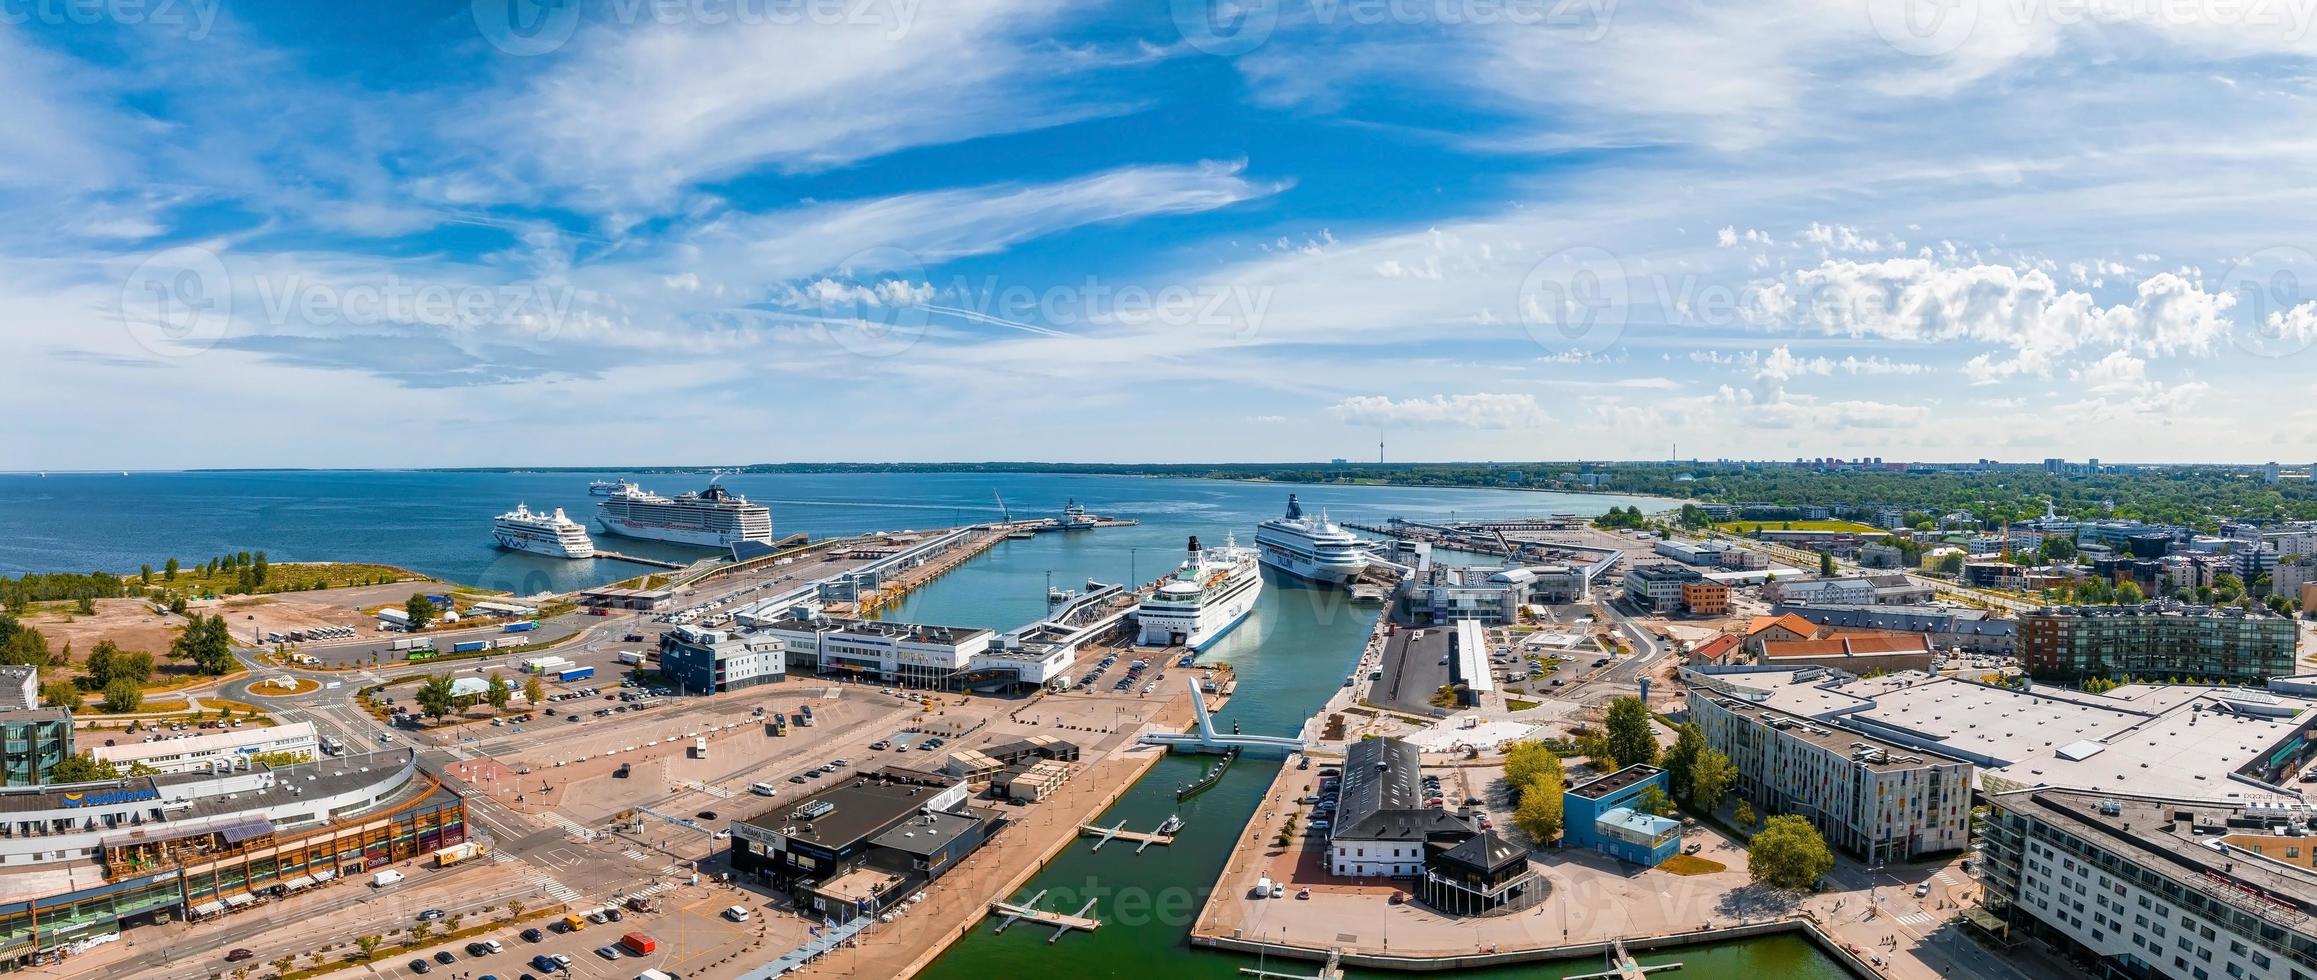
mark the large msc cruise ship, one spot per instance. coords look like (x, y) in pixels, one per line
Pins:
(1312, 548)
(712, 517)
(1213, 591)
(542, 534)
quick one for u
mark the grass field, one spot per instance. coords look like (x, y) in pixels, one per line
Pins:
(1747, 527)
(283, 577)
(1691, 864)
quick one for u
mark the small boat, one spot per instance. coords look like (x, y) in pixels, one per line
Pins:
(1173, 823)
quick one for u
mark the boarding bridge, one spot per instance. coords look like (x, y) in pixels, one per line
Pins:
(1203, 738)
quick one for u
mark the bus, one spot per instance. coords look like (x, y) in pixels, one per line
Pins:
(700, 747)
(426, 654)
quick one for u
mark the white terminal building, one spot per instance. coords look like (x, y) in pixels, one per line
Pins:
(211, 752)
(907, 654)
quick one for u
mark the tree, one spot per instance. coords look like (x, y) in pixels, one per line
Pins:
(206, 642)
(280, 758)
(1745, 815)
(1788, 853)
(82, 768)
(1528, 764)
(1653, 800)
(534, 691)
(423, 929)
(1826, 564)
(1710, 779)
(1689, 741)
(435, 697)
(2129, 594)
(1951, 564)
(499, 693)
(169, 571)
(60, 694)
(514, 909)
(108, 663)
(420, 610)
(21, 645)
(1631, 742)
(367, 944)
(123, 696)
(283, 964)
(1594, 746)
(1539, 813)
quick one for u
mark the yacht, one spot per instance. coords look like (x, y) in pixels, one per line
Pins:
(1212, 592)
(1311, 548)
(542, 534)
(712, 517)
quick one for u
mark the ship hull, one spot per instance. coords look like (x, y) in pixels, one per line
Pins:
(535, 546)
(673, 535)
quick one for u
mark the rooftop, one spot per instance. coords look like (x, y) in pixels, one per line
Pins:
(856, 811)
(1625, 778)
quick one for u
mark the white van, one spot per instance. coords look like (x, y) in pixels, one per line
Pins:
(737, 913)
(385, 878)
(653, 975)
(762, 789)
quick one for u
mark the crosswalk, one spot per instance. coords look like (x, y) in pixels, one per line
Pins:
(1946, 878)
(546, 883)
(1917, 919)
(570, 827)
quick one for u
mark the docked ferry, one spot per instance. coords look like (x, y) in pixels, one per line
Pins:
(1311, 548)
(712, 517)
(1212, 592)
(542, 534)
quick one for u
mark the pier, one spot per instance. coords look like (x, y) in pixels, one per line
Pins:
(1626, 967)
(1206, 782)
(640, 560)
(1119, 832)
(1334, 970)
(1010, 913)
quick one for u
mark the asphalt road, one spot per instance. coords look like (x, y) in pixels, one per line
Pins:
(1412, 670)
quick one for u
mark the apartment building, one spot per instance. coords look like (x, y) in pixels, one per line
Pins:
(2157, 639)
(1875, 799)
(2152, 887)
(1657, 587)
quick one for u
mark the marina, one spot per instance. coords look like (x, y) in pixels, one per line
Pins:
(1164, 835)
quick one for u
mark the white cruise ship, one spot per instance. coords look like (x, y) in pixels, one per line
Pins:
(1213, 591)
(542, 534)
(711, 518)
(605, 488)
(1312, 548)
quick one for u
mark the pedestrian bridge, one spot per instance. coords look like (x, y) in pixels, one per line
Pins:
(1203, 738)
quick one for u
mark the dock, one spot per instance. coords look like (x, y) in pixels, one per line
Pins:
(1010, 913)
(1119, 832)
(1334, 970)
(1626, 967)
(640, 560)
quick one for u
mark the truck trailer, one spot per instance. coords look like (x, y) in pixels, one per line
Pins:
(569, 674)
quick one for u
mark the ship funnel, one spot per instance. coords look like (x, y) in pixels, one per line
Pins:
(1294, 510)
(1194, 544)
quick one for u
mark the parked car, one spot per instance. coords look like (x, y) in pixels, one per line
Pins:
(446, 957)
(534, 936)
(420, 966)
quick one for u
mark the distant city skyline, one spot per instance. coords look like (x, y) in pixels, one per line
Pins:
(428, 235)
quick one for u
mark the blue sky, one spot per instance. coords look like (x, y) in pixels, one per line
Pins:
(544, 232)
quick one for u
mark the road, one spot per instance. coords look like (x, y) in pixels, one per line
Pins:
(1412, 670)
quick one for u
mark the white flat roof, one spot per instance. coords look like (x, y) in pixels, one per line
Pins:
(230, 740)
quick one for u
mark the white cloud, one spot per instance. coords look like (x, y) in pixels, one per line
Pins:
(1477, 411)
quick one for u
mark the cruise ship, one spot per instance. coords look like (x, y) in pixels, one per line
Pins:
(1213, 591)
(1312, 548)
(712, 517)
(542, 534)
(605, 488)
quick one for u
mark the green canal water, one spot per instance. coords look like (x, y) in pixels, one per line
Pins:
(1290, 654)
